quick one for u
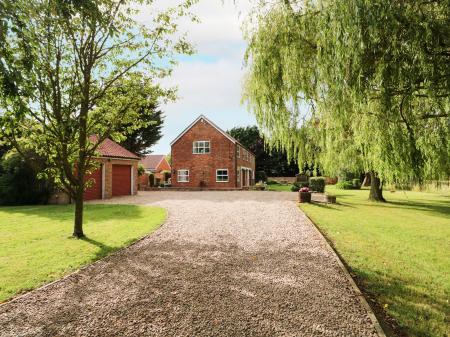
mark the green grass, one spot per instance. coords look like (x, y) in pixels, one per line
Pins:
(36, 244)
(279, 187)
(399, 251)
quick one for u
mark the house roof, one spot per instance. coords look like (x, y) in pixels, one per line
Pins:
(109, 148)
(152, 161)
(232, 139)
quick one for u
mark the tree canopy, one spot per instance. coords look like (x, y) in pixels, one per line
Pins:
(61, 67)
(357, 83)
(273, 162)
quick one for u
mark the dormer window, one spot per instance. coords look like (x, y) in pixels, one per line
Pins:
(201, 147)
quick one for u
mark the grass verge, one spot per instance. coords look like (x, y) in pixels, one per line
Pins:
(36, 246)
(398, 252)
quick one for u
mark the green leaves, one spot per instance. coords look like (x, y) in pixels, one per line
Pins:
(76, 68)
(367, 82)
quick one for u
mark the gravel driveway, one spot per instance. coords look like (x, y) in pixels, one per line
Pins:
(224, 264)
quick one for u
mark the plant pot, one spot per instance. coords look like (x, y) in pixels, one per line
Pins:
(331, 199)
(304, 197)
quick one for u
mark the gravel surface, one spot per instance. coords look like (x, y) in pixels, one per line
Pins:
(224, 264)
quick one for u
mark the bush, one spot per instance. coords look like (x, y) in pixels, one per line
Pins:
(19, 184)
(346, 176)
(301, 184)
(295, 188)
(260, 176)
(271, 182)
(356, 184)
(344, 185)
(151, 179)
(141, 170)
(317, 184)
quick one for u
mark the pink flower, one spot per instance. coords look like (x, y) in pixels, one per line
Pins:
(304, 189)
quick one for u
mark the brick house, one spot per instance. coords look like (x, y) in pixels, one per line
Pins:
(117, 175)
(205, 156)
(156, 164)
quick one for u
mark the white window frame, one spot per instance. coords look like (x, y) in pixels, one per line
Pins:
(195, 146)
(238, 151)
(222, 181)
(184, 175)
(238, 174)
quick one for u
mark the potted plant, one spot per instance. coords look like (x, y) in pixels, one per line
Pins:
(304, 195)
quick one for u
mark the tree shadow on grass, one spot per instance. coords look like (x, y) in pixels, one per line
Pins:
(442, 207)
(104, 250)
(436, 207)
(412, 309)
(325, 206)
(330, 206)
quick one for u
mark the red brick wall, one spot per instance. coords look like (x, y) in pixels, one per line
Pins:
(202, 167)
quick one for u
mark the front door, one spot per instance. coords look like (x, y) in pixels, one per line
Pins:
(243, 178)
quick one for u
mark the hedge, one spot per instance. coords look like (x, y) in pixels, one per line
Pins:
(317, 184)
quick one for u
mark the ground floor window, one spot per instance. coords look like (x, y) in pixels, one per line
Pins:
(238, 174)
(222, 175)
(183, 176)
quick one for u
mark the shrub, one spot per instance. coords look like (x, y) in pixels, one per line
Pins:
(141, 170)
(260, 176)
(344, 185)
(295, 188)
(151, 179)
(19, 184)
(356, 184)
(271, 182)
(317, 184)
(301, 184)
(346, 176)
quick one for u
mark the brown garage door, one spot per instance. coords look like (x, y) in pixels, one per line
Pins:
(121, 180)
(95, 190)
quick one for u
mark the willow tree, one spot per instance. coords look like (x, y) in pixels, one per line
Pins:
(368, 82)
(61, 63)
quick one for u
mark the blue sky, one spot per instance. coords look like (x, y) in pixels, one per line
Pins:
(210, 81)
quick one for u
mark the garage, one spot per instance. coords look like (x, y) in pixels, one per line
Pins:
(95, 190)
(121, 180)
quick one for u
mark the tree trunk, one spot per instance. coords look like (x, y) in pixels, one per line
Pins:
(366, 181)
(376, 188)
(78, 224)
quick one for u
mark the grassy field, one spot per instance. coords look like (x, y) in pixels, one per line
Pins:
(399, 252)
(36, 244)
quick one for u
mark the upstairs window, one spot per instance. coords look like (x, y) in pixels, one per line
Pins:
(238, 151)
(222, 175)
(201, 147)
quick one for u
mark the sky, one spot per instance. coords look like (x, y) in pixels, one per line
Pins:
(210, 81)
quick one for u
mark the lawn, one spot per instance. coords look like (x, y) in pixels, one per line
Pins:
(399, 252)
(36, 244)
(278, 187)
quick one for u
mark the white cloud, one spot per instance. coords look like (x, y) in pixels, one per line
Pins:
(209, 82)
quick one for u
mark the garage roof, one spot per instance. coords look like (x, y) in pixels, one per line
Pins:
(111, 149)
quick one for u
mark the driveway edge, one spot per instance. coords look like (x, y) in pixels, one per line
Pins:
(352, 282)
